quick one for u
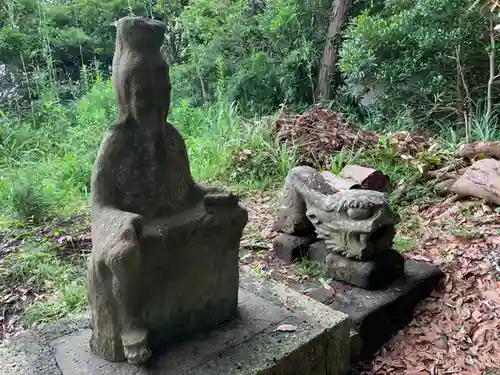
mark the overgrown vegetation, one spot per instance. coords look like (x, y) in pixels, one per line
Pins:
(426, 65)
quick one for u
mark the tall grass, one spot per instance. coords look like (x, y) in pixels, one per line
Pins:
(47, 165)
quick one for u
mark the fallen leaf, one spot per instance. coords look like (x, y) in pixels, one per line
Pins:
(286, 328)
(491, 295)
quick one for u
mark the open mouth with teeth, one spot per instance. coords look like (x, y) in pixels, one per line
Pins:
(369, 243)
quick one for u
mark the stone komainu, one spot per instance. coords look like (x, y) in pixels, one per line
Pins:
(355, 223)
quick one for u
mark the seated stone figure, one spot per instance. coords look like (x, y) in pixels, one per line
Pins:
(165, 249)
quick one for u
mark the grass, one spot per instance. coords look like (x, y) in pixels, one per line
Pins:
(46, 161)
(403, 243)
(54, 286)
(47, 165)
(310, 268)
(51, 162)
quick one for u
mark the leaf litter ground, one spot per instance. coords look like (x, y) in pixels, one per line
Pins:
(455, 331)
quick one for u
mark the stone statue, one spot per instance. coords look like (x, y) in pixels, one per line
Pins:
(165, 249)
(355, 223)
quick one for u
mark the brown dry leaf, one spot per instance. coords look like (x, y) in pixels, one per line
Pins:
(455, 331)
(492, 295)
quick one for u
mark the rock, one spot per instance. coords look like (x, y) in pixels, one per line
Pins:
(379, 314)
(339, 183)
(368, 178)
(165, 249)
(318, 251)
(375, 273)
(321, 294)
(314, 290)
(290, 248)
(474, 149)
(300, 182)
(356, 345)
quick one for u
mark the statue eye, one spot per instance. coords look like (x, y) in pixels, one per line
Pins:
(359, 213)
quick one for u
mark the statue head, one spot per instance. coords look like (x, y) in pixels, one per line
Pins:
(141, 33)
(358, 223)
(141, 78)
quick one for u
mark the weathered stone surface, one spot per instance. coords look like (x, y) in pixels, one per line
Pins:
(318, 251)
(288, 247)
(356, 345)
(378, 314)
(165, 256)
(339, 183)
(375, 273)
(248, 344)
(27, 354)
(368, 178)
(355, 223)
(313, 290)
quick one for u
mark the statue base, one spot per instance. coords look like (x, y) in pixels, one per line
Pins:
(314, 342)
(378, 314)
(375, 273)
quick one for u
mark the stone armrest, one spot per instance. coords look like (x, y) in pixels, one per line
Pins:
(216, 196)
(220, 199)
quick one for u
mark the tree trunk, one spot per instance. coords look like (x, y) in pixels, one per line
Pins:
(331, 49)
(481, 180)
(471, 150)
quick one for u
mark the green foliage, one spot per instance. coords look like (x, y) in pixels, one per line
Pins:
(403, 243)
(263, 55)
(28, 202)
(72, 33)
(413, 50)
(310, 268)
(50, 161)
(42, 272)
(232, 62)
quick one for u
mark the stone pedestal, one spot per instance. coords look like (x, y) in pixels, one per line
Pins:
(289, 248)
(378, 314)
(250, 344)
(375, 273)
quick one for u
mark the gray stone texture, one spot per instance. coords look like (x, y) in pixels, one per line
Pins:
(355, 223)
(248, 344)
(376, 273)
(289, 248)
(165, 255)
(378, 314)
(317, 251)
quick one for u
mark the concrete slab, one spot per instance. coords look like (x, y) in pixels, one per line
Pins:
(249, 344)
(379, 314)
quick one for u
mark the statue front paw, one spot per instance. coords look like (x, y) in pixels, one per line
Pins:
(136, 347)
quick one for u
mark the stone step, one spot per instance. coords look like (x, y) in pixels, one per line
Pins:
(252, 343)
(378, 314)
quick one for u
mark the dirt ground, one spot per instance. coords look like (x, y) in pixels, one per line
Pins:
(455, 331)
